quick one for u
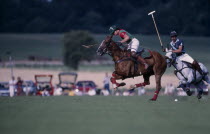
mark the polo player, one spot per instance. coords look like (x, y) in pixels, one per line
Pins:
(130, 40)
(178, 49)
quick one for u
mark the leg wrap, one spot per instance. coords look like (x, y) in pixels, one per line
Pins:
(155, 95)
(113, 74)
(113, 80)
(141, 85)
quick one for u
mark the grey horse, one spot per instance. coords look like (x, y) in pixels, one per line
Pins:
(188, 77)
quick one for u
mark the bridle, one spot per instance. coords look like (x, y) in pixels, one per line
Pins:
(105, 50)
(182, 68)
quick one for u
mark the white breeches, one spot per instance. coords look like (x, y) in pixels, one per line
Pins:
(186, 58)
(133, 45)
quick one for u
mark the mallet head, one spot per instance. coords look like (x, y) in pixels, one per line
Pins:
(151, 13)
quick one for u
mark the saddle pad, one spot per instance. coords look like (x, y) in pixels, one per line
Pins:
(144, 53)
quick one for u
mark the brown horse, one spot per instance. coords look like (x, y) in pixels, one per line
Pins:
(127, 67)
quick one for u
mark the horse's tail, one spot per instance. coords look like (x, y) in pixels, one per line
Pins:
(206, 73)
(204, 68)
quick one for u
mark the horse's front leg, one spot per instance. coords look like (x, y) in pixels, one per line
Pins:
(185, 82)
(115, 77)
(200, 86)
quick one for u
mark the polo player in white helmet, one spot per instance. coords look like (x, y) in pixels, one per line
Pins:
(178, 48)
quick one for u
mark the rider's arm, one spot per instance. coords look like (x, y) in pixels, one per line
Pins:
(178, 50)
(126, 38)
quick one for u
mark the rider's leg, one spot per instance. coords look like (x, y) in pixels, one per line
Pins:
(194, 63)
(134, 45)
(140, 59)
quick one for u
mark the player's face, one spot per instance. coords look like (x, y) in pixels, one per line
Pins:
(173, 38)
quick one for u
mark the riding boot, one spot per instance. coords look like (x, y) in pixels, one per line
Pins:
(140, 59)
(197, 67)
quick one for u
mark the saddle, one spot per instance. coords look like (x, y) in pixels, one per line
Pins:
(145, 53)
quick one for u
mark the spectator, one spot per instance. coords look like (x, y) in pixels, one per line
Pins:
(19, 85)
(169, 89)
(58, 91)
(106, 82)
(12, 86)
(45, 92)
(141, 91)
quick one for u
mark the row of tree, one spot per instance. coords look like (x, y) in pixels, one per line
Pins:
(189, 17)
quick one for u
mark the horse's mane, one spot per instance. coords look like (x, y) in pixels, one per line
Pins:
(116, 45)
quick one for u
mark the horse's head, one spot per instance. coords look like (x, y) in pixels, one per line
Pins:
(168, 54)
(103, 48)
(170, 58)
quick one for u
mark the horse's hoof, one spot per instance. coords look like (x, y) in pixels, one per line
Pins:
(122, 84)
(152, 99)
(188, 92)
(199, 96)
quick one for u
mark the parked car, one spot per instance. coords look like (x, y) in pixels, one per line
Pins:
(67, 80)
(86, 86)
(29, 87)
(4, 89)
(44, 85)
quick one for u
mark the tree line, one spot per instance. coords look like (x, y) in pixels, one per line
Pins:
(189, 17)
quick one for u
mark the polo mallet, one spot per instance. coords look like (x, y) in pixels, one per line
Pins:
(151, 13)
(89, 46)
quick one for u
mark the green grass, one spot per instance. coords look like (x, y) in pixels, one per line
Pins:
(51, 45)
(103, 115)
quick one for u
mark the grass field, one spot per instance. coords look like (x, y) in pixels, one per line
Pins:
(104, 115)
